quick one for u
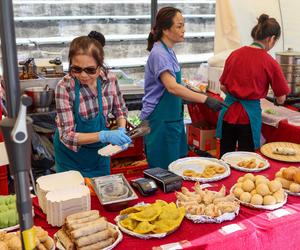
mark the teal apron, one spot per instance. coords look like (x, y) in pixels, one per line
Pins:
(167, 140)
(86, 160)
(253, 110)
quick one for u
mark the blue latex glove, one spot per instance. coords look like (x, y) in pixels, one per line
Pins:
(115, 137)
(125, 146)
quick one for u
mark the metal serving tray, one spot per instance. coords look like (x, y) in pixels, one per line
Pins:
(114, 204)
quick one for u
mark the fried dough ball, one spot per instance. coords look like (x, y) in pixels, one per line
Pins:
(269, 200)
(285, 183)
(241, 179)
(249, 176)
(262, 189)
(274, 185)
(253, 192)
(239, 184)
(257, 199)
(289, 173)
(248, 185)
(294, 187)
(296, 177)
(245, 197)
(260, 179)
(279, 196)
(237, 192)
(278, 174)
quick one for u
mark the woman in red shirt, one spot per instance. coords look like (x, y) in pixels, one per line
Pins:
(247, 74)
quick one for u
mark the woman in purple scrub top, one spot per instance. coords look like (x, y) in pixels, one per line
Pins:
(162, 102)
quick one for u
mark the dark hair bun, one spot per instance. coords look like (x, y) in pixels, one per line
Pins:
(97, 36)
(263, 18)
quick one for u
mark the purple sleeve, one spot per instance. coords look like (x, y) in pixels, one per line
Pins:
(161, 62)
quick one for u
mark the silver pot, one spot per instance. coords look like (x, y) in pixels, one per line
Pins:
(290, 63)
(289, 57)
(41, 97)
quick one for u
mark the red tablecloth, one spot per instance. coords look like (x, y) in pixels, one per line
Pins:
(260, 229)
(285, 131)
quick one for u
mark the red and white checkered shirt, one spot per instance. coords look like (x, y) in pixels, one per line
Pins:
(112, 101)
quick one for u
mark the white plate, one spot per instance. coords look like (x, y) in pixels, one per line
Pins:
(291, 193)
(60, 246)
(198, 164)
(265, 207)
(208, 219)
(119, 218)
(8, 229)
(232, 158)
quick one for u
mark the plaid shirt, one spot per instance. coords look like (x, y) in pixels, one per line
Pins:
(112, 101)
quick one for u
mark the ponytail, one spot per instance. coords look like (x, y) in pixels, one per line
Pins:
(150, 41)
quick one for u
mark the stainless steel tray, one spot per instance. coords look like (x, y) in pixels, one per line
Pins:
(103, 180)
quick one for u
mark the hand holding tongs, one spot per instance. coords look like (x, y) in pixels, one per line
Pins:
(140, 130)
(194, 89)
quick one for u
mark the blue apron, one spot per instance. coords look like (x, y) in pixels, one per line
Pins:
(86, 160)
(167, 140)
(253, 110)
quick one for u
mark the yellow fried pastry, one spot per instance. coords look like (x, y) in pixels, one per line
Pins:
(144, 227)
(148, 214)
(134, 209)
(161, 203)
(169, 211)
(129, 223)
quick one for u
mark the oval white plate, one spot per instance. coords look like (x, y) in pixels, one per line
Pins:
(291, 193)
(208, 219)
(198, 164)
(60, 246)
(8, 229)
(232, 158)
(266, 207)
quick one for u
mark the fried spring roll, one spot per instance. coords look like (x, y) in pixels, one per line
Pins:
(97, 226)
(98, 245)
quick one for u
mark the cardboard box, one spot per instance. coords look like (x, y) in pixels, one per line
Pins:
(201, 135)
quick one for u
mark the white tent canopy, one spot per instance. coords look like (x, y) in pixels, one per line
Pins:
(236, 18)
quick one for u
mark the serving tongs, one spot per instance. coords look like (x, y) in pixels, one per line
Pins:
(139, 131)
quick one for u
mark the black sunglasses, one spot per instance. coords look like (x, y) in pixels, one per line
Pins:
(88, 70)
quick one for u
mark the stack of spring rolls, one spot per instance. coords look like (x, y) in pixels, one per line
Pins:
(86, 231)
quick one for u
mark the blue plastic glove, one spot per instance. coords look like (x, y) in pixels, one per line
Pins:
(125, 146)
(115, 137)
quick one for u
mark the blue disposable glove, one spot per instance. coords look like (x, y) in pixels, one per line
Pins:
(125, 146)
(115, 137)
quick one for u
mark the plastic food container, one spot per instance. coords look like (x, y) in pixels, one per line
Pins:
(113, 191)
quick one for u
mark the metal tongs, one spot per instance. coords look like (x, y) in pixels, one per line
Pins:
(140, 130)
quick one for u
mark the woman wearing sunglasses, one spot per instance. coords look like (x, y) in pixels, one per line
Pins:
(84, 99)
(162, 103)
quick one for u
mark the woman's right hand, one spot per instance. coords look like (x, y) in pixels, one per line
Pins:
(115, 137)
(214, 104)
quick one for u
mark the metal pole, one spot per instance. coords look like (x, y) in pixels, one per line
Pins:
(153, 12)
(14, 129)
(9, 55)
